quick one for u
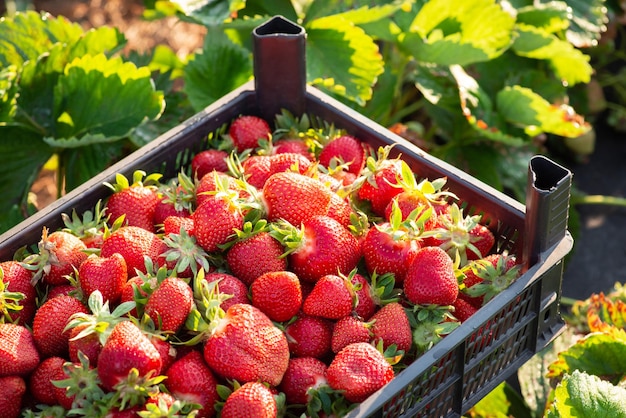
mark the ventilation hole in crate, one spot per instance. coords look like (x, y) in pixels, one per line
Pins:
(547, 315)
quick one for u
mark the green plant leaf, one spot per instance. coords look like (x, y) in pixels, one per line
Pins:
(460, 32)
(552, 17)
(568, 63)
(584, 395)
(601, 354)
(101, 100)
(220, 68)
(8, 93)
(502, 402)
(342, 58)
(81, 164)
(522, 106)
(23, 154)
(588, 22)
(206, 12)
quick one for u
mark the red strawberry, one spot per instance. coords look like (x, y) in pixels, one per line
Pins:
(166, 350)
(18, 352)
(17, 293)
(252, 399)
(340, 210)
(348, 330)
(49, 324)
(295, 197)
(246, 346)
(431, 278)
(366, 304)
(211, 183)
(323, 246)
(289, 162)
(176, 198)
(215, 222)
(346, 150)
(136, 201)
(256, 170)
(169, 304)
(247, 130)
(208, 160)
(408, 202)
(303, 373)
(106, 274)
(293, 146)
(332, 297)
(89, 345)
(190, 379)
(89, 228)
(40, 382)
(380, 182)
(126, 348)
(391, 325)
(59, 254)
(309, 336)
(463, 309)
(229, 285)
(134, 244)
(359, 370)
(485, 278)
(277, 294)
(255, 253)
(389, 248)
(12, 391)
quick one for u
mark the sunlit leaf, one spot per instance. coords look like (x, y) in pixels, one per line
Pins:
(552, 17)
(588, 21)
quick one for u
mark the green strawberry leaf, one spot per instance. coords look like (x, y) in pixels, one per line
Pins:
(28, 153)
(81, 164)
(522, 106)
(552, 17)
(588, 21)
(205, 12)
(205, 82)
(502, 402)
(568, 63)
(8, 93)
(601, 354)
(584, 395)
(101, 100)
(460, 32)
(342, 58)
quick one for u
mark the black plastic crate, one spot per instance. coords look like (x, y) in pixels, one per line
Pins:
(485, 350)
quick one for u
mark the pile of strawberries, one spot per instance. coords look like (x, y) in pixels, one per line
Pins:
(292, 271)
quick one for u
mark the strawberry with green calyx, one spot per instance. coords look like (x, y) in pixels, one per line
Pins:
(277, 294)
(173, 225)
(430, 324)
(309, 336)
(253, 399)
(139, 287)
(390, 325)
(485, 278)
(463, 235)
(176, 198)
(431, 278)
(134, 244)
(137, 201)
(303, 374)
(17, 295)
(59, 253)
(348, 330)
(255, 252)
(320, 246)
(332, 297)
(359, 370)
(104, 274)
(90, 228)
(184, 256)
(344, 150)
(18, 352)
(246, 131)
(89, 331)
(312, 131)
(162, 404)
(232, 289)
(169, 304)
(372, 292)
(136, 389)
(214, 182)
(49, 332)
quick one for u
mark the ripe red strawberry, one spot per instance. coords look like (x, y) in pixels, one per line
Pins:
(89, 228)
(12, 391)
(431, 278)
(485, 278)
(366, 303)
(18, 352)
(211, 183)
(40, 381)
(346, 150)
(391, 325)
(340, 210)
(303, 373)
(126, 348)
(408, 202)
(59, 254)
(247, 130)
(323, 246)
(255, 253)
(389, 248)
(246, 346)
(256, 170)
(174, 224)
(136, 201)
(277, 294)
(332, 297)
(49, 324)
(215, 221)
(106, 274)
(348, 330)
(190, 379)
(89, 345)
(380, 182)
(176, 198)
(134, 244)
(292, 146)
(252, 399)
(288, 161)
(295, 197)
(359, 370)
(169, 304)
(18, 294)
(463, 309)
(229, 285)
(309, 336)
(208, 160)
